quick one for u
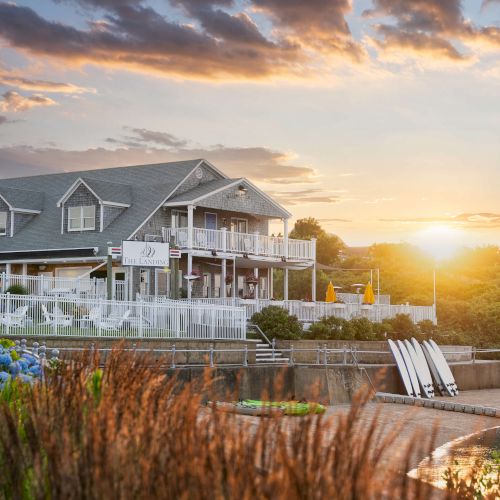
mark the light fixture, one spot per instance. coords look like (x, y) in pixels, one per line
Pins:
(242, 190)
(214, 253)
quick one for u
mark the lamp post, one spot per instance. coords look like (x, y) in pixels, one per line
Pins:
(109, 272)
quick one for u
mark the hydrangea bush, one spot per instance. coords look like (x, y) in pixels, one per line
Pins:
(25, 367)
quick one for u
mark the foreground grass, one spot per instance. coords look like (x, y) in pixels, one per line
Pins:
(128, 432)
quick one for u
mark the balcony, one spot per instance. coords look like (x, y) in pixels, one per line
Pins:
(241, 243)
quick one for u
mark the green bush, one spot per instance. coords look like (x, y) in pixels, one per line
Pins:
(17, 290)
(329, 328)
(277, 323)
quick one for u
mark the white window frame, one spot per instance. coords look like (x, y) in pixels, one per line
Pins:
(175, 214)
(216, 219)
(82, 218)
(6, 214)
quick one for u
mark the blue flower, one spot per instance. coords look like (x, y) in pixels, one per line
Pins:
(27, 379)
(23, 364)
(5, 359)
(31, 360)
(35, 370)
(4, 377)
(14, 368)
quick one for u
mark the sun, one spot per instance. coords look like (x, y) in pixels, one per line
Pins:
(439, 240)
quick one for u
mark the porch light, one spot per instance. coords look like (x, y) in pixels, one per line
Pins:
(214, 253)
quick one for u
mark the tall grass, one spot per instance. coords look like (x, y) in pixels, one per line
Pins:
(129, 432)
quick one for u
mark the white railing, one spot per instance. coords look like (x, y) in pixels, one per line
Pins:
(77, 317)
(49, 285)
(310, 312)
(241, 243)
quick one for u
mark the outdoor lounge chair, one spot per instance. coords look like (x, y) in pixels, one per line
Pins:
(16, 318)
(56, 318)
(111, 322)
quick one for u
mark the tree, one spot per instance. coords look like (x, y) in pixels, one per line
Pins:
(328, 246)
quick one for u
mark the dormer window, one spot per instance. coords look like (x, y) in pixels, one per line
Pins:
(3, 223)
(81, 218)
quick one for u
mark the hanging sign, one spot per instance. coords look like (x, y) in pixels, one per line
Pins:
(145, 254)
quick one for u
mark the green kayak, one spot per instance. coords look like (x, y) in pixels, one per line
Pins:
(287, 407)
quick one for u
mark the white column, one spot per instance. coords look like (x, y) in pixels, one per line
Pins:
(223, 279)
(285, 237)
(313, 291)
(190, 225)
(8, 268)
(189, 272)
(285, 285)
(130, 274)
(24, 271)
(271, 282)
(235, 281)
(256, 274)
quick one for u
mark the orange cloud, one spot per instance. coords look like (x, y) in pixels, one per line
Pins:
(12, 101)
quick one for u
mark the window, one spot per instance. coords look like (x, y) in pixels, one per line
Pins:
(179, 219)
(81, 218)
(239, 225)
(3, 223)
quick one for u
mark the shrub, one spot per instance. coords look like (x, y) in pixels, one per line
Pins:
(17, 290)
(278, 323)
(330, 328)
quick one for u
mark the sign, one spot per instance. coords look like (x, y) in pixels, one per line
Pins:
(145, 254)
(175, 253)
(115, 251)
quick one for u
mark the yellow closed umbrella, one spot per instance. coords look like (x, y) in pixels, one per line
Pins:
(330, 293)
(369, 296)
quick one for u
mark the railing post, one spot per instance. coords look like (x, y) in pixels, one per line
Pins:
(173, 356)
(55, 314)
(273, 345)
(224, 241)
(325, 355)
(141, 303)
(318, 352)
(473, 354)
(344, 361)
(290, 361)
(8, 313)
(211, 355)
(245, 359)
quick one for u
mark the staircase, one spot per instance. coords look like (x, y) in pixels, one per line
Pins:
(265, 354)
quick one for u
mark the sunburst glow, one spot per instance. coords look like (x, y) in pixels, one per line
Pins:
(442, 241)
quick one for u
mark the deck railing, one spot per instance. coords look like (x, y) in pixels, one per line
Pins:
(241, 243)
(310, 312)
(49, 285)
(78, 317)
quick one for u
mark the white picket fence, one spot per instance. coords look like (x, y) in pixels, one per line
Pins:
(49, 285)
(80, 317)
(310, 312)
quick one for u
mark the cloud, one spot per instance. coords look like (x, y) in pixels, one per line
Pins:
(428, 27)
(214, 44)
(260, 164)
(473, 220)
(11, 80)
(328, 221)
(12, 101)
(305, 196)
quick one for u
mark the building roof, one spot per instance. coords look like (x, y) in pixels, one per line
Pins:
(22, 199)
(201, 191)
(148, 186)
(112, 192)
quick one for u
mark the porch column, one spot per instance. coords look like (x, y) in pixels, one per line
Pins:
(190, 226)
(8, 268)
(285, 242)
(270, 278)
(130, 277)
(24, 272)
(235, 281)
(313, 291)
(223, 279)
(256, 274)
(189, 272)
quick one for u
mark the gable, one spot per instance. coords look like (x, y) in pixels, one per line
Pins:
(201, 174)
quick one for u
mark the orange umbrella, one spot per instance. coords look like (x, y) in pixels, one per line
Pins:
(330, 293)
(369, 296)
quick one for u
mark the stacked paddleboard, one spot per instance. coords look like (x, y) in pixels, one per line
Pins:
(423, 368)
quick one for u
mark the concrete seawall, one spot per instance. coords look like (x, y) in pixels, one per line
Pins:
(328, 385)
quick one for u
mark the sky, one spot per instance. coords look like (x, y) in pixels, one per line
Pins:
(380, 118)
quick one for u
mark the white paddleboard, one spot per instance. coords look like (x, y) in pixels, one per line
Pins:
(425, 383)
(435, 374)
(424, 367)
(410, 368)
(401, 367)
(445, 365)
(431, 355)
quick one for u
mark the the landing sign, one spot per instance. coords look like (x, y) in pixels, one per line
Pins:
(145, 254)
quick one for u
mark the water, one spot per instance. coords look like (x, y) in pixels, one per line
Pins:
(461, 455)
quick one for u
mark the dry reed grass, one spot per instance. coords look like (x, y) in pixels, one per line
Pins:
(134, 434)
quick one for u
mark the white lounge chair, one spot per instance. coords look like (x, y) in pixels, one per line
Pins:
(16, 318)
(57, 318)
(112, 322)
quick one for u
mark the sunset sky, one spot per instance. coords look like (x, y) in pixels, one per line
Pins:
(381, 118)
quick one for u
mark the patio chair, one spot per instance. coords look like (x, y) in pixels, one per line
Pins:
(111, 322)
(16, 318)
(56, 318)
